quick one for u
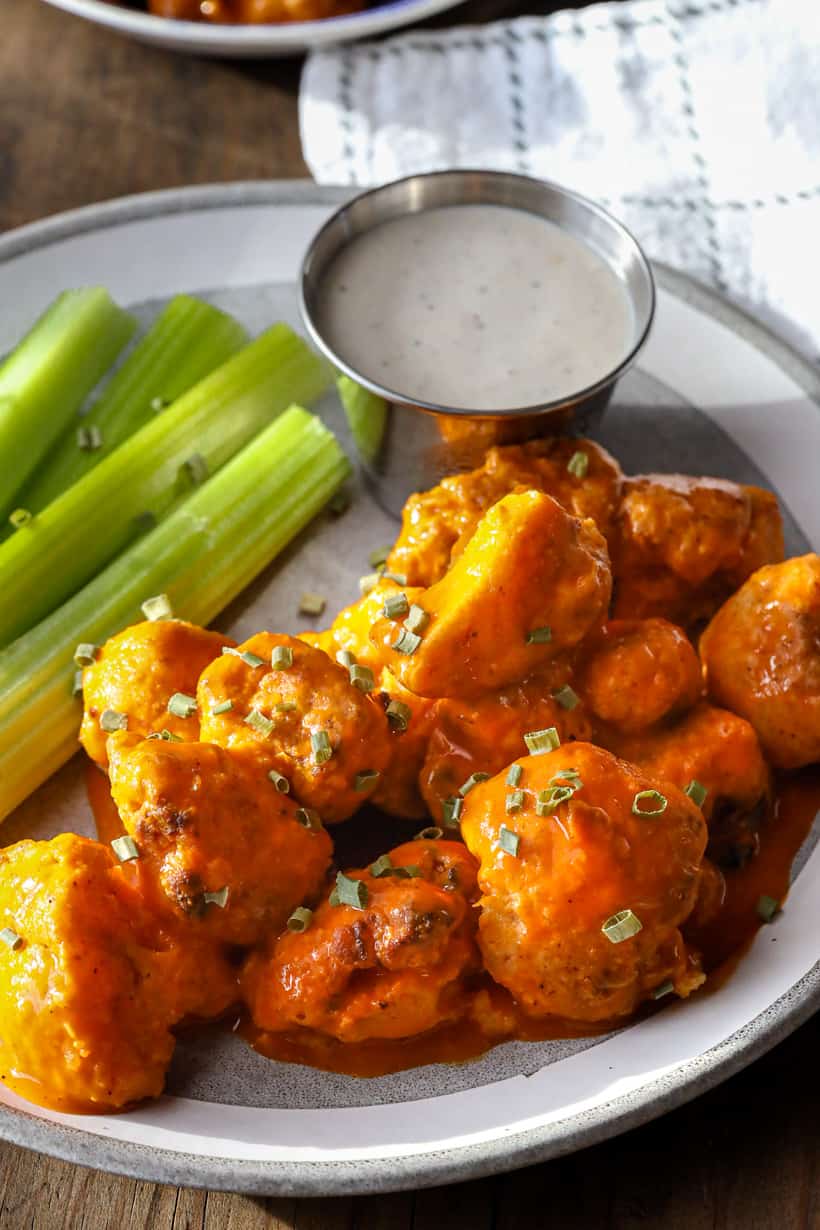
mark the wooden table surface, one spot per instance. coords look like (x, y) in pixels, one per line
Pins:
(86, 116)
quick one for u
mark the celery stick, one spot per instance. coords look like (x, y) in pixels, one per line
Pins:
(366, 416)
(202, 555)
(188, 341)
(48, 376)
(67, 543)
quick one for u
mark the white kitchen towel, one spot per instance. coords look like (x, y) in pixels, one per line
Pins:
(698, 124)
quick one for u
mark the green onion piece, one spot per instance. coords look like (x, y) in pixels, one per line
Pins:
(252, 659)
(578, 464)
(362, 678)
(432, 833)
(182, 705)
(308, 817)
(399, 577)
(767, 907)
(260, 723)
(311, 603)
(621, 926)
(85, 654)
(407, 642)
(650, 796)
(339, 503)
(540, 741)
(20, 517)
(451, 810)
(300, 919)
(196, 469)
(167, 736)
(473, 780)
(514, 801)
(351, 892)
(395, 605)
(345, 658)
(508, 841)
(125, 848)
(11, 939)
(410, 872)
(697, 792)
(224, 706)
(280, 781)
(567, 775)
(417, 618)
(285, 706)
(378, 558)
(219, 898)
(665, 988)
(381, 867)
(368, 584)
(514, 774)
(111, 720)
(77, 686)
(565, 697)
(89, 439)
(320, 747)
(158, 607)
(539, 636)
(398, 714)
(365, 780)
(549, 800)
(282, 658)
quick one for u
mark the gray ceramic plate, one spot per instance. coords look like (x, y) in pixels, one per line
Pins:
(714, 394)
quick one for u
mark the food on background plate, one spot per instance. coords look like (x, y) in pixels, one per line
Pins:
(252, 11)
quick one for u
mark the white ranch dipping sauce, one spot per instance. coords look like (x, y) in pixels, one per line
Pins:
(480, 307)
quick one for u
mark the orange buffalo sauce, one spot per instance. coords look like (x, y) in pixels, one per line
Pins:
(106, 816)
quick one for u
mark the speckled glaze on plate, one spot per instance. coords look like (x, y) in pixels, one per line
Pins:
(715, 393)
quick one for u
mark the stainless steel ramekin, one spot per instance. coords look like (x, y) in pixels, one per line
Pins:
(406, 445)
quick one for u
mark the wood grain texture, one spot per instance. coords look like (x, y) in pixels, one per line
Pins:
(86, 116)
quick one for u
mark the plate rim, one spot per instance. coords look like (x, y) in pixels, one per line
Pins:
(328, 1177)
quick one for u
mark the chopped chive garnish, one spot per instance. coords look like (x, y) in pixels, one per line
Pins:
(320, 747)
(111, 720)
(158, 607)
(578, 464)
(655, 797)
(300, 919)
(767, 907)
(282, 658)
(417, 618)
(258, 722)
(432, 833)
(378, 558)
(665, 988)
(345, 658)
(350, 892)
(451, 810)
(540, 636)
(166, 736)
(697, 792)
(410, 872)
(565, 697)
(280, 781)
(368, 584)
(473, 780)
(508, 841)
(11, 939)
(250, 659)
(398, 714)
(182, 705)
(196, 468)
(395, 605)
(514, 774)
(125, 848)
(311, 603)
(285, 706)
(622, 926)
(549, 800)
(224, 706)
(399, 577)
(567, 775)
(381, 867)
(219, 898)
(362, 678)
(540, 741)
(308, 817)
(89, 439)
(20, 517)
(514, 801)
(77, 686)
(407, 642)
(85, 654)
(339, 503)
(365, 780)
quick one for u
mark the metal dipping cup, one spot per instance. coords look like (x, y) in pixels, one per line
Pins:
(405, 445)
